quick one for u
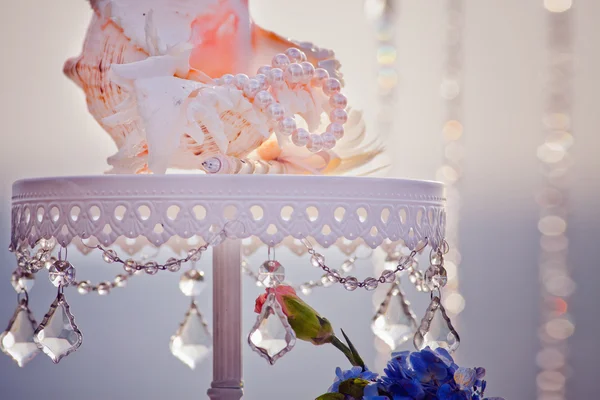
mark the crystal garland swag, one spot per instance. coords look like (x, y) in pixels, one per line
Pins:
(58, 335)
(557, 286)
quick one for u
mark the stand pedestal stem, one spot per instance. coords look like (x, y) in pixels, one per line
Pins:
(227, 322)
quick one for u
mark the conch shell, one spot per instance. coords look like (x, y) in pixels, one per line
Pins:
(151, 72)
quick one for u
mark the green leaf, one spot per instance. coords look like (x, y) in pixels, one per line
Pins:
(331, 396)
(344, 349)
(359, 361)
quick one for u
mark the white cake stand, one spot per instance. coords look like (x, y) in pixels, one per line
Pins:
(270, 207)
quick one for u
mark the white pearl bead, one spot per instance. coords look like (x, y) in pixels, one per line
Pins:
(263, 99)
(276, 112)
(227, 79)
(328, 140)
(280, 61)
(336, 129)
(338, 100)
(262, 79)
(332, 86)
(241, 80)
(300, 137)
(252, 87)
(338, 115)
(295, 55)
(287, 126)
(321, 75)
(308, 72)
(315, 143)
(218, 81)
(276, 77)
(294, 73)
(264, 70)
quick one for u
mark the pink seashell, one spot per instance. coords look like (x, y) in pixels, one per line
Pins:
(147, 70)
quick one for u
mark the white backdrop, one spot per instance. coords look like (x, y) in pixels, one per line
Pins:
(47, 131)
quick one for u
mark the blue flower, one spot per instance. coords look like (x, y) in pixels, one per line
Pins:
(372, 393)
(452, 392)
(355, 372)
(465, 378)
(432, 367)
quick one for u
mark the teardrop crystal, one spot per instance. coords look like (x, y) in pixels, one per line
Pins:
(17, 340)
(193, 342)
(436, 329)
(272, 336)
(57, 335)
(394, 322)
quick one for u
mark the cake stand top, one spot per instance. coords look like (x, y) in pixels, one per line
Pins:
(270, 207)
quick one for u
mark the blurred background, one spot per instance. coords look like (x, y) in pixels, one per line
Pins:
(47, 131)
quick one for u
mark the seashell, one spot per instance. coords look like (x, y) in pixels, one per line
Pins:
(151, 75)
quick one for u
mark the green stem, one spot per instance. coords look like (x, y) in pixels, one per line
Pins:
(344, 349)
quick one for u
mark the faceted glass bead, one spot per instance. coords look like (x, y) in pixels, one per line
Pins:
(394, 322)
(130, 266)
(84, 287)
(57, 335)
(437, 259)
(271, 273)
(17, 340)
(272, 336)
(351, 283)
(388, 276)
(371, 283)
(173, 264)
(436, 277)
(61, 273)
(104, 288)
(333, 276)
(109, 256)
(325, 281)
(192, 343)
(192, 282)
(305, 289)
(121, 280)
(22, 281)
(195, 255)
(347, 265)
(317, 260)
(436, 329)
(151, 267)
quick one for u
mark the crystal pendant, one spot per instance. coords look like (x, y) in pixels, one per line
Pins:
(272, 336)
(192, 343)
(17, 340)
(436, 329)
(192, 283)
(57, 335)
(394, 322)
(22, 281)
(271, 273)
